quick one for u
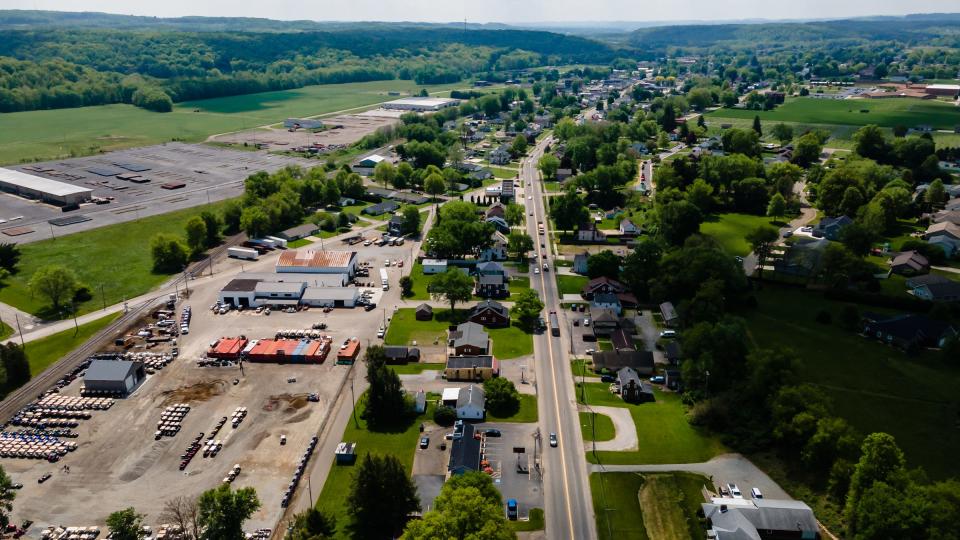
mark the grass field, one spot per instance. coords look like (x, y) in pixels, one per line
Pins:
(420, 282)
(882, 112)
(116, 257)
(401, 444)
(676, 441)
(53, 134)
(45, 351)
(5, 330)
(875, 387)
(567, 284)
(632, 506)
(526, 413)
(534, 523)
(511, 342)
(412, 369)
(730, 230)
(604, 427)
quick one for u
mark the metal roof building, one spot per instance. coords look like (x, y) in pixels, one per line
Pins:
(37, 187)
(114, 376)
(317, 262)
(421, 104)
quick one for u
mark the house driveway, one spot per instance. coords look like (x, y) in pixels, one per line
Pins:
(649, 333)
(626, 431)
(722, 469)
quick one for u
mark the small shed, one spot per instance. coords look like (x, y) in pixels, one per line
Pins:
(424, 312)
(346, 453)
(420, 402)
(119, 377)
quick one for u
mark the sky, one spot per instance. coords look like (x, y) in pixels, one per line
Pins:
(506, 11)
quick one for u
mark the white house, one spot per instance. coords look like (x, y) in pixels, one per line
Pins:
(588, 233)
(628, 228)
(434, 266)
(499, 156)
(471, 403)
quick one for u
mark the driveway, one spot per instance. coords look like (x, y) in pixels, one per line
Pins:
(722, 469)
(626, 431)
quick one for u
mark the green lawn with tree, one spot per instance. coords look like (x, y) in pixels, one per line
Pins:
(908, 112)
(627, 505)
(116, 257)
(510, 342)
(568, 284)
(527, 412)
(731, 230)
(43, 352)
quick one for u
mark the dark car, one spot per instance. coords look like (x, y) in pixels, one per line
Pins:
(424, 442)
(493, 433)
(44, 478)
(370, 307)
(608, 379)
(511, 509)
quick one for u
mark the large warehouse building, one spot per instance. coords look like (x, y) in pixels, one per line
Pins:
(44, 189)
(255, 289)
(118, 377)
(421, 104)
(311, 261)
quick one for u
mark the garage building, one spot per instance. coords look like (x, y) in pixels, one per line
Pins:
(311, 261)
(44, 189)
(119, 377)
(421, 104)
(330, 297)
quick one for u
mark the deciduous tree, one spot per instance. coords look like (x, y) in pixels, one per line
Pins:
(126, 524)
(54, 282)
(527, 308)
(381, 498)
(453, 286)
(222, 511)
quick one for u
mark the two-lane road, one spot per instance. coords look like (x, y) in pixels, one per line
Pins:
(569, 508)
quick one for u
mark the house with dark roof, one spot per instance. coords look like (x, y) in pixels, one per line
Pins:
(909, 331)
(604, 321)
(622, 340)
(499, 223)
(300, 231)
(395, 226)
(759, 519)
(588, 232)
(909, 263)
(830, 227)
(464, 450)
(384, 207)
(669, 314)
(672, 352)
(490, 313)
(640, 362)
(925, 279)
(632, 389)
(602, 285)
(673, 379)
(471, 368)
(492, 286)
(948, 291)
(470, 339)
(499, 156)
(580, 263)
(401, 355)
(424, 312)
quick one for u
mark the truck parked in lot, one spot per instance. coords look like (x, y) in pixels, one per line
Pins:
(383, 279)
(243, 253)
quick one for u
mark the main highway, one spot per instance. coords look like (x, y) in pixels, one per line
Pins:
(566, 485)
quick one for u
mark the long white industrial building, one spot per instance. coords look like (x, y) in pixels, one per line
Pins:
(36, 187)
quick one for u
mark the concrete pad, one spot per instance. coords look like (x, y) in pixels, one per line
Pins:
(626, 431)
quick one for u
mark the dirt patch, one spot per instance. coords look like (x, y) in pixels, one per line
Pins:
(289, 403)
(663, 519)
(201, 391)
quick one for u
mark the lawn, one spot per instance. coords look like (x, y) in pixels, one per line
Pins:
(730, 230)
(882, 112)
(504, 172)
(5, 330)
(526, 413)
(401, 444)
(647, 506)
(873, 386)
(420, 282)
(54, 134)
(43, 352)
(115, 258)
(511, 342)
(534, 523)
(416, 368)
(299, 243)
(675, 440)
(568, 284)
(601, 422)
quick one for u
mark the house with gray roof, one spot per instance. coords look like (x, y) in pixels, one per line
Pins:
(759, 519)
(470, 339)
(471, 403)
(830, 227)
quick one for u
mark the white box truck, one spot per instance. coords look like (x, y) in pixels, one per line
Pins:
(278, 242)
(242, 253)
(383, 279)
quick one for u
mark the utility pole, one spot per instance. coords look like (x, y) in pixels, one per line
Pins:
(23, 345)
(76, 326)
(353, 398)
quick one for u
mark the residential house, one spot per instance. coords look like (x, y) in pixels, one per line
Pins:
(490, 268)
(759, 519)
(298, 232)
(464, 450)
(496, 209)
(507, 190)
(401, 355)
(492, 286)
(424, 312)
(944, 234)
(673, 379)
(669, 314)
(628, 228)
(673, 353)
(909, 331)
(909, 263)
(580, 263)
(830, 227)
(481, 174)
(939, 292)
(491, 314)
(602, 285)
(641, 362)
(952, 216)
(395, 226)
(497, 251)
(588, 232)
(606, 301)
(632, 389)
(468, 339)
(499, 156)
(605, 322)
(622, 340)
(471, 403)
(471, 368)
(564, 174)
(925, 279)
(384, 207)
(499, 223)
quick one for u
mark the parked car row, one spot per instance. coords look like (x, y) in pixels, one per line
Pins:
(185, 320)
(191, 451)
(298, 474)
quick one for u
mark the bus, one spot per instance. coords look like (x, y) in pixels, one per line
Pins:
(554, 324)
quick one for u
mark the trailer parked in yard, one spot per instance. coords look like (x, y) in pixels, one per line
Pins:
(554, 324)
(384, 281)
(242, 253)
(348, 351)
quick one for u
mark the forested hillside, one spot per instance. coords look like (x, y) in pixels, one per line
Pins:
(43, 67)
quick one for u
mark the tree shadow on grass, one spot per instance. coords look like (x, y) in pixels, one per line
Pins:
(456, 317)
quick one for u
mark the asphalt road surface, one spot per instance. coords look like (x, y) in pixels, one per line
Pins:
(568, 506)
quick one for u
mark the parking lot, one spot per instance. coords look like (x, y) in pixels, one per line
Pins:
(118, 462)
(207, 174)
(341, 130)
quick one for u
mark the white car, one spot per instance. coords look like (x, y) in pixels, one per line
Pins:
(386, 262)
(536, 270)
(367, 243)
(668, 334)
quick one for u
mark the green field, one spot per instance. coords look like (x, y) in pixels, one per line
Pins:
(401, 444)
(43, 352)
(412, 369)
(882, 112)
(534, 523)
(116, 258)
(676, 441)
(604, 427)
(875, 387)
(420, 282)
(53, 134)
(568, 284)
(508, 343)
(526, 413)
(730, 230)
(628, 505)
